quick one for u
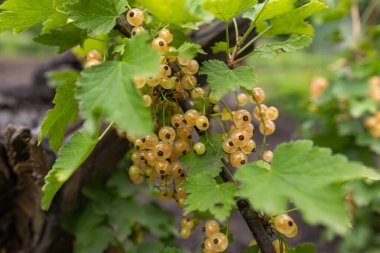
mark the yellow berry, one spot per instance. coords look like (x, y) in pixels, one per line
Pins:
(197, 93)
(242, 99)
(229, 146)
(166, 35)
(188, 82)
(268, 156)
(139, 82)
(202, 123)
(137, 29)
(286, 225)
(178, 120)
(185, 132)
(159, 45)
(249, 147)
(147, 100)
(199, 148)
(220, 241)
(211, 227)
(183, 61)
(238, 159)
(271, 113)
(167, 134)
(135, 17)
(192, 67)
(268, 128)
(184, 233)
(153, 81)
(258, 95)
(94, 55)
(242, 117)
(191, 117)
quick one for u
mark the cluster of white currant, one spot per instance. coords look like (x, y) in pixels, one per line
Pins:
(215, 241)
(187, 225)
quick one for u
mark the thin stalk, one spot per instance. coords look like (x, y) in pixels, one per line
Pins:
(105, 131)
(254, 40)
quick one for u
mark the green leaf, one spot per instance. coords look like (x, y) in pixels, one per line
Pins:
(210, 161)
(57, 119)
(171, 250)
(55, 21)
(97, 17)
(223, 80)
(188, 50)
(253, 249)
(365, 139)
(20, 15)
(261, 12)
(294, 43)
(65, 37)
(59, 77)
(227, 9)
(71, 156)
(174, 12)
(219, 47)
(359, 107)
(311, 177)
(109, 88)
(304, 248)
(293, 22)
(204, 194)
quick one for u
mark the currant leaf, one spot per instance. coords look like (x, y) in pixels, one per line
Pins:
(223, 80)
(71, 156)
(311, 177)
(20, 15)
(97, 17)
(57, 119)
(219, 47)
(294, 43)
(261, 12)
(210, 161)
(227, 9)
(65, 37)
(108, 88)
(205, 194)
(304, 248)
(188, 50)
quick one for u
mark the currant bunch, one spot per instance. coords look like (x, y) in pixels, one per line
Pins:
(215, 241)
(279, 245)
(187, 225)
(373, 124)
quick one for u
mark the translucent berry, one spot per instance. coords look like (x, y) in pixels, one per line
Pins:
(181, 146)
(165, 70)
(94, 55)
(268, 128)
(249, 148)
(286, 225)
(135, 156)
(183, 61)
(199, 148)
(151, 141)
(139, 82)
(153, 81)
(184, 233)
(187, 223)
(185, 132)
(279, 247)
(167, 83)
(167, 134)
(166, 194)
(134, 171)
(239, 138)
(208, 246)
(151, 158)
(188, 82)
(191, 117)
(241, 118)
(180, 192)
(162, 167)
(137, 179)
(178, 120)
(271, 113)
(92, 63)
(171, 58)
(268, 156)
(163, 150)
(192, 67)
(166, 35)
(202, 123)
(242, 99)
(258, 114)
(137, 29)
(135, 17)
(139, 144)
(258, 95)
(197, 93)
(160, 45)
(229, 146)
(220, 241)
(238, 159)
(211, 227)
(147, 100)
(248, 129)
(176, 169)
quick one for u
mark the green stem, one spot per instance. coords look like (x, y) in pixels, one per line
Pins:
(105, 131)
(253, 40)
(228, 108)
(236, 30)
(227, 41)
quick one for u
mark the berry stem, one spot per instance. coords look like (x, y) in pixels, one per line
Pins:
(105, 131)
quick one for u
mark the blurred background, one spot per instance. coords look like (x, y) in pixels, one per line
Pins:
(329, 93)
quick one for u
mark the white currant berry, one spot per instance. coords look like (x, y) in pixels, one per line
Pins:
(199, 148)
(135, 17)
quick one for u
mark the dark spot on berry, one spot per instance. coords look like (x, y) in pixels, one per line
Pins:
(143, 140)
(245, 118)
(141, 158)
(231, 143)
(169, 160)
(290, 223)
(203, 229)
(189, 137)
(254, 150)
(179, 171)
(162, 172)
(167, 60)
(184, 152)
(218, 205)
(167, 136)
(241, 137)
(160, 153)
(203, 245)
(165, 194)
(161, 43)
(216, 241)
(137, 147)
(205, 124)
(162, 177)
(184, 121)
(242, 162)
(134, 33)
(176, 125)
(131, 14)
(182, 175)
(166, 67)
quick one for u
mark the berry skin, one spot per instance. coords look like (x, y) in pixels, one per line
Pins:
(171, 58)
(181, 146)
(229, 147)
(220, 241)
(268, 156)
(92, 63)
(197, 93)
(188, 82)
(135, 17)
(248, 130)
(258, 114)
(238, 159)
(151, 158)
(176, 169)
(160, 45)
(277, 246)
(242, 99)
(137, 179)
(286, 225)
(151, 141)
(178, 120)
(268, 128)
(241, 118)
(187, 223)
(191, 117)
(163, 150)
(165, 70)
(258, 95)
(192, 67)
(199, 148)
(139, 144)
(153, 81)
(166, 35)
(202, 123)
(184, 233)
(271, 113)
(185, 132)
(137, 29)
(208, 246)
(134, 171)
(183, 61)
(168, 83)
(162, 167)
(139, 82)
(239, 138)
(147, 100)
(94, 55)
(249, 148)
(211, 227)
